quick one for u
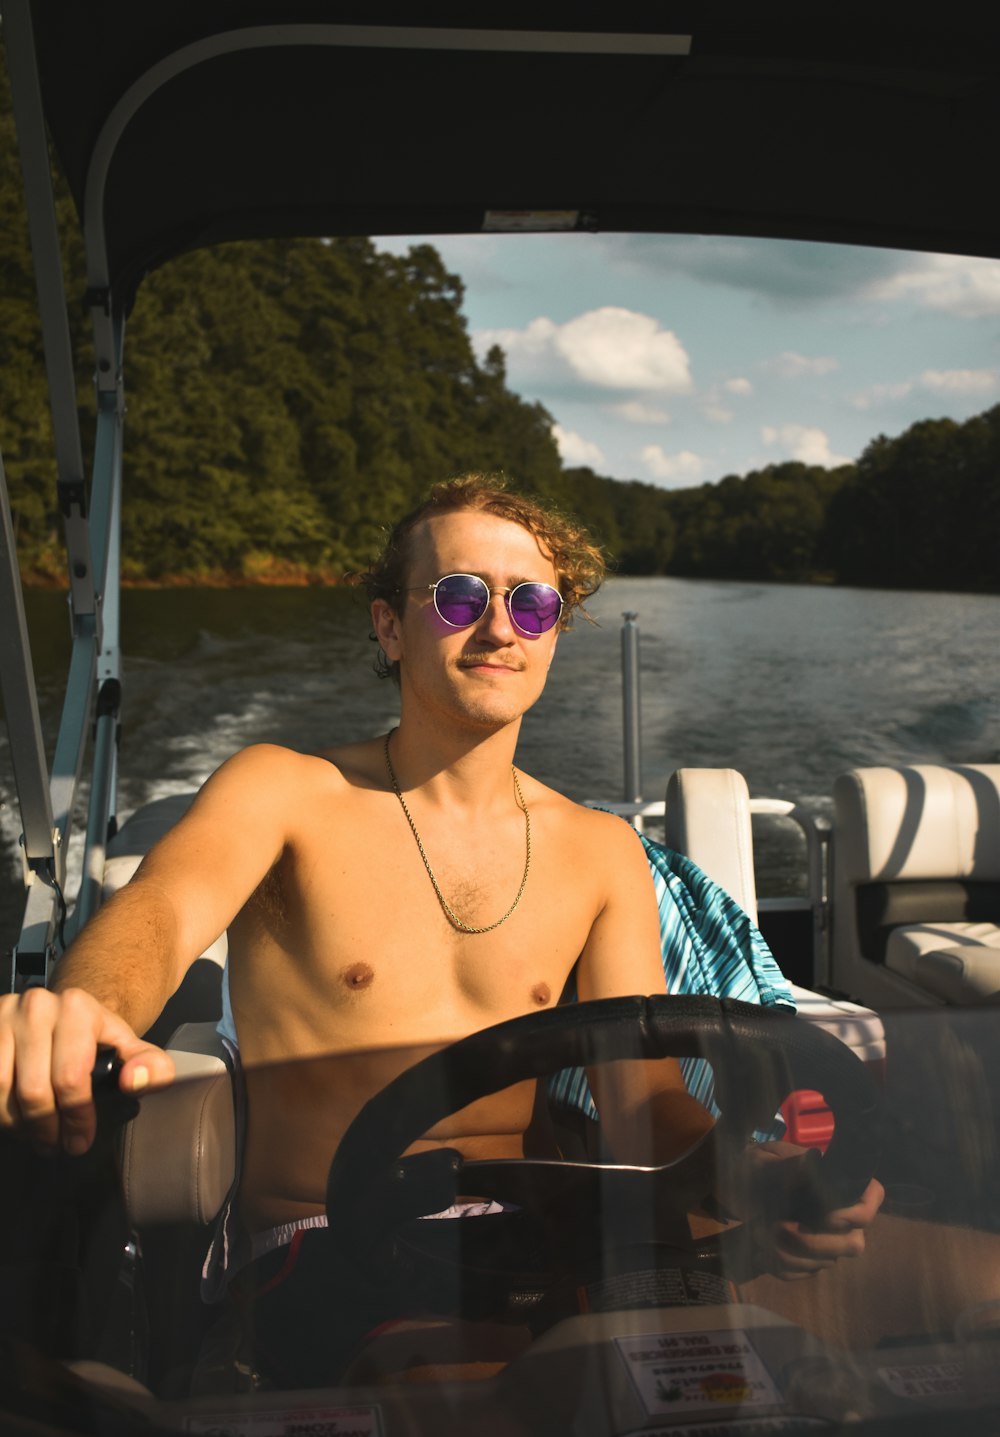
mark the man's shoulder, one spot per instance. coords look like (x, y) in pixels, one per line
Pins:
(590, 826)
(273, 767)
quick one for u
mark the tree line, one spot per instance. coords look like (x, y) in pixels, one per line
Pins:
(288, 399)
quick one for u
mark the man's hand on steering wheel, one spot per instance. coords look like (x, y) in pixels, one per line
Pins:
(795, 1249)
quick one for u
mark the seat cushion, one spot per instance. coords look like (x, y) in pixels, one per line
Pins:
(957, 962)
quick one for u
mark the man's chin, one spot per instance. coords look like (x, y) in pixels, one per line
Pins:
(490, 712)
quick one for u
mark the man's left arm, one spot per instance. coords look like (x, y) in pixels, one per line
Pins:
(646, 1112)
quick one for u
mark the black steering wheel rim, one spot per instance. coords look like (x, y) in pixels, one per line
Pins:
(758, 1056)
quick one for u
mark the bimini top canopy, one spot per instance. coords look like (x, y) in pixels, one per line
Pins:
(187, 123)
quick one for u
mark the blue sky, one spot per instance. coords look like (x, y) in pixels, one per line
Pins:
(679, 359)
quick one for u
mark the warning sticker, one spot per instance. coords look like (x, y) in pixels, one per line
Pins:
(289, 1422)
(698, 1372)
(924, 1379)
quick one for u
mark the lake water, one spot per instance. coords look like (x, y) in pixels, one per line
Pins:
(790, 684)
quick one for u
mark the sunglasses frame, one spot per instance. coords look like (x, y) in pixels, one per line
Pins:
(508, 594)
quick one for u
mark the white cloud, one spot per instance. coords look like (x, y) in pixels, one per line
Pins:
(803, 442)
(969, 288)
(574, 449)
(790, 365)
(975, 382)
(959, 381)
(739, 386)
(619, 349)
(717, 413)
(683, 466)
(633, 411)
(610, 347)
(535, 339)
(878, 394)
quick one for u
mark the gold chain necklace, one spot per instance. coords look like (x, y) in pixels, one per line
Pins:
(449, 912)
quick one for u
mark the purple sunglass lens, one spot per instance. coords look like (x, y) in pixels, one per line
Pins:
(534, 608)
(461, 599)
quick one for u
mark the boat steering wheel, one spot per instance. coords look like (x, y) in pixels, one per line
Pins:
(757, 1055)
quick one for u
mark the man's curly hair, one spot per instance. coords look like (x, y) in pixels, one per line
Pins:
(578, 561)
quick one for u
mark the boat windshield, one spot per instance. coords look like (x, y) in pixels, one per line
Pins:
(508, 1295)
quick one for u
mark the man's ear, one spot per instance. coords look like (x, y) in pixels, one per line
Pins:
(386, 626)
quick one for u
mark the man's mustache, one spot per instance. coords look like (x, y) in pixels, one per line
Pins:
(488, 656)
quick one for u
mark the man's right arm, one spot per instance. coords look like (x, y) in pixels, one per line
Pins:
(116, 977)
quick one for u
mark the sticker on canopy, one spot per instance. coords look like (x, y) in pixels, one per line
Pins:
(300, 1421)
(532, 220)
(698, 1372)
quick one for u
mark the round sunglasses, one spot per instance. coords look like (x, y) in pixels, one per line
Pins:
(462, 600)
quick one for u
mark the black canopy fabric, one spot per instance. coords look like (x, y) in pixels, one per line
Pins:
(197, 121)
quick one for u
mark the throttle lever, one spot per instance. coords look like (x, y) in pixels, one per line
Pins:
(114, 1108)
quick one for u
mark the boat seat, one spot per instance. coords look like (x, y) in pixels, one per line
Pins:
(916, 883)
(960, 962)
(708, 819)
(179, 1153)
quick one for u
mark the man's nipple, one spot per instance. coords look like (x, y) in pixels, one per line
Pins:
(357, 976)
(541, 994)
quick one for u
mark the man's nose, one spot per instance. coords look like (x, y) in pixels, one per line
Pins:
(495, 622)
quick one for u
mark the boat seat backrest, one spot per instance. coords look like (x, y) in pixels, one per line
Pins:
(708, 820)
(179, 1153)
(912, 846)
(924, 822)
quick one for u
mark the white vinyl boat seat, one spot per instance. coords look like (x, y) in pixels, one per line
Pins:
(708, 819)
(959, 962)
(179, 1154)
(917, 881)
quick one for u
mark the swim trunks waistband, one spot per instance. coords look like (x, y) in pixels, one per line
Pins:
(272, 1238)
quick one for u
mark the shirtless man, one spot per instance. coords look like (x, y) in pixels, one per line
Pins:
(391, 895)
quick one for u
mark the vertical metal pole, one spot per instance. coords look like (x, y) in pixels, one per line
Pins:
(106, 519)
(631, 724)
(20, 698)
(19, 40)
(33, 951)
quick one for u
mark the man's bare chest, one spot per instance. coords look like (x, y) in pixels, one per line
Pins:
(362, 927)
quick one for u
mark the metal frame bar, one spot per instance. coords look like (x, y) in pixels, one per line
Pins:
(34, 152)
(20, 699)
(93, 551)
(388, 37)
(41, 839)
(106, 517)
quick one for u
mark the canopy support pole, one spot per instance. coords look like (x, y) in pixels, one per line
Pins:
(39, 837)
(92, 531)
